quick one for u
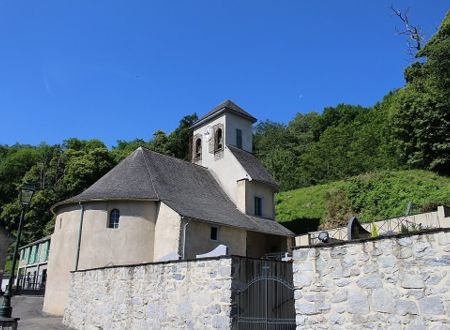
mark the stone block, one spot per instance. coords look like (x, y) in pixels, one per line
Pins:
(412, 281)
(416, 325)
(415, 293)
(370, 268)
(444, 239)
(343, 282)
(371, 281)
(339, 296)
(421, 248)
(357, 303)
(405, 253)
(305, 308)
(434, 279)
(221, 322)
(302, 280)
(431, 305)
(382, 301)
(336, 319)
(404, 307)
(387, 262)
(337, 251)
(405, 241)
(348, 261)
(314, 297)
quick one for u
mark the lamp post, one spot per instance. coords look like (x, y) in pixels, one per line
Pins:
(26, 193)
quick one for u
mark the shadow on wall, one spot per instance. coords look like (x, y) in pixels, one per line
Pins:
(302, 225)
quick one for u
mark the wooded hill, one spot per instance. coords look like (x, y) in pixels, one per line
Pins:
(374, 196)
(408, 129)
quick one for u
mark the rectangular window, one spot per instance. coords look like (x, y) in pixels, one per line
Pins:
(258, 206)
(32, 258)
(44, 252)
(47, 250)
(214, 233)
(239, 138)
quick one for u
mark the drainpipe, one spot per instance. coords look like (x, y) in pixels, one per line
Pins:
(184, 238)
(80, 229)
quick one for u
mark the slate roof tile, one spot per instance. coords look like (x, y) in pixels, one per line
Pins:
(252, 166)
(189, 189)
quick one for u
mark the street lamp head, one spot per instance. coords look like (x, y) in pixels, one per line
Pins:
(324, 237)
(26, 193)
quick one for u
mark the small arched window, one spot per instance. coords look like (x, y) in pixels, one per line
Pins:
(114, 216)
(198, 148)
(218, 140)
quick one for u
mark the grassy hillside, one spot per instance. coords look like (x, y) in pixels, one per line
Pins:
(373, 196)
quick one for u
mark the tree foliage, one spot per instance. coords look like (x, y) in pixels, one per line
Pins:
(62, 171)
(421, 113)
(409, 128)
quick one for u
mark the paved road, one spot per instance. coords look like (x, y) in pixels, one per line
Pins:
(29, 309)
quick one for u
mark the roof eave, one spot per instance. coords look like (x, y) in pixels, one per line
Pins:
(69, 202)
(287, 234)
(219, 112)
(39, 241)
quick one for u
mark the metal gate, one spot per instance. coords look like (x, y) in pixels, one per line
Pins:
(264, 296)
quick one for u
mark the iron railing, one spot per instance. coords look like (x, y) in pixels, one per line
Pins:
(407, 223)
(29, 284)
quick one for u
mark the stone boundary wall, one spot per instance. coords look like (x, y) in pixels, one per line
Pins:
(171, 295)
(437, 219)
(401, 282)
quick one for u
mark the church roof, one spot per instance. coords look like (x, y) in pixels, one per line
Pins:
(223, 107)
(189, 189)
(252, 166)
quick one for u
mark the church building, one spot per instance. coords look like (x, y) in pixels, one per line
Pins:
(152, 207)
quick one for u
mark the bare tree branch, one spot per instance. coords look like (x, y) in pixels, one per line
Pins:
(414, 32)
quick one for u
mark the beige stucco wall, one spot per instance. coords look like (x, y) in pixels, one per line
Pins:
(241, 202)
(259, 244)
(234, 122)
(131, 243)
(246, 192)
(198, 239)
(257, 189)
(167, 232)
(61, 259)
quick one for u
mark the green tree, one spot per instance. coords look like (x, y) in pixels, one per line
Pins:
(421, 120)
(178, 142)
(124, 148)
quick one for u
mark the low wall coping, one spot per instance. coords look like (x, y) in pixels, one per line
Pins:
(379, 238)
(167, 262)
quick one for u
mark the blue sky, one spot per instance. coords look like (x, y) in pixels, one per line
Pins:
(122, 69)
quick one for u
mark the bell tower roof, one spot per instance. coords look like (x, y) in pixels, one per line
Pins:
(226, 106)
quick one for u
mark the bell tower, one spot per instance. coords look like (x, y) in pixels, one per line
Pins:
(223, 143)
(226, 124)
